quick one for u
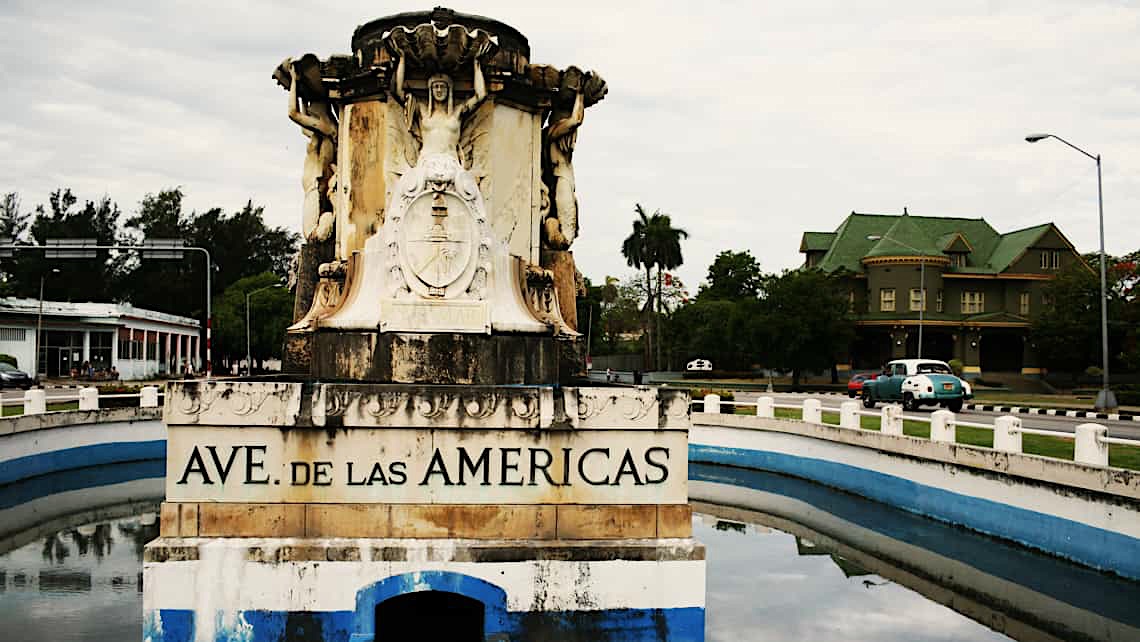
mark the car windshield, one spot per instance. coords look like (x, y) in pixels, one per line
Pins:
(933, 368)
(7, 367)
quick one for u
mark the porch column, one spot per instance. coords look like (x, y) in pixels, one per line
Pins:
(166, 355)
(178, 355)
(86, 347)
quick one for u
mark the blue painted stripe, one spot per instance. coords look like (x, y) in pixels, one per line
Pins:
(1096, 547)
(55, 461)
(91, 477)
(1083, 587)
(624, 625)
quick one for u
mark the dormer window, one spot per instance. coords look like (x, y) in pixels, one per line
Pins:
(958, 260)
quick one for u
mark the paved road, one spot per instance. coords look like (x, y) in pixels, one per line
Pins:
(1127, 429)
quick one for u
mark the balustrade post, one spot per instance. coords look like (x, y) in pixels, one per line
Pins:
(89, 398)
(1090, 450)
(892, 421)
(766, 407)
(849, 414)
(1007, 434)
(812, 411)
(35, 402)
(148, 397)
(942, 427)
(712, 404)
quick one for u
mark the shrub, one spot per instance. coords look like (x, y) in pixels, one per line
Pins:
(9, 359)
(955, 366)
(1093, 372)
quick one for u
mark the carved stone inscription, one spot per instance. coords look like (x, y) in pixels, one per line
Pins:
(426, 466)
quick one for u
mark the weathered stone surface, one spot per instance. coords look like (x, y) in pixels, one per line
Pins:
(297, 355)
(607, 522)
(168, 520)
(473, 522)
(348, 520)
(251, 520)
(188, 520)
(674, 520)
(435, 358)
(561, 263)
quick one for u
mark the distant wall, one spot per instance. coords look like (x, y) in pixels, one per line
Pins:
(1086, 514)
(34, 445)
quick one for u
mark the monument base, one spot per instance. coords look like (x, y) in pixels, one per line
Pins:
(436, 358)
(354, 590)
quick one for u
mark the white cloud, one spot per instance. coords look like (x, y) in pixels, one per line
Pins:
(748, 122)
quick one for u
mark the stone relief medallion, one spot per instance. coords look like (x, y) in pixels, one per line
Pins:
(436, 240)
(439, 240)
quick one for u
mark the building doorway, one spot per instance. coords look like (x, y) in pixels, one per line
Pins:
(430, 615)
(60, 352)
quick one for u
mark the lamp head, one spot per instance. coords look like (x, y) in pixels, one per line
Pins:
(1033, 138)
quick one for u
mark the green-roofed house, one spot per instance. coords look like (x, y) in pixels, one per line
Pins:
(982, 287)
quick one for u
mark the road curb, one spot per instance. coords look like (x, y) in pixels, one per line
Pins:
(1057, 412)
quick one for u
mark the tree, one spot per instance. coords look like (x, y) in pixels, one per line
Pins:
(732, 276)
(1067, 332)
(270, 312)
(94, 279)
(653, 243)
(808, 323)
(14, 226)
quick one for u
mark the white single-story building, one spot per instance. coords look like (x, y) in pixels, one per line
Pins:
(135, 342)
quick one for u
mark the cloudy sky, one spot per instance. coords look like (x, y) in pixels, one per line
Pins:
(748, 122)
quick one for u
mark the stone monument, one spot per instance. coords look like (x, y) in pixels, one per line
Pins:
(431, 466)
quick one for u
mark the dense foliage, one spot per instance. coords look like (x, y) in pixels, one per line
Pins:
(244, 253)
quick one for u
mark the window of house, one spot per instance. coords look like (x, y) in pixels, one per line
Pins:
(1044, 260)
(938, 302)
(1056, 257)
(958, 260)
(851, 301)
(973, 302)
(152, 352)
(916, 302)
(101, 343)
(1023, 304)
(124, 349)
(887, 300)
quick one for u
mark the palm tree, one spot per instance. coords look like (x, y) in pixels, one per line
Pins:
(653, 243)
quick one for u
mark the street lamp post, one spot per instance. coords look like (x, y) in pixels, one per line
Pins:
(1104, 399)
(40, 323)
(248, 343)
(921, 283)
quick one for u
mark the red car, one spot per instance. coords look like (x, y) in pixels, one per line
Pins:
(855, 386)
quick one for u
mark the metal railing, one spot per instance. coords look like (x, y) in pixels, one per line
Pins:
(1091, 441)
(36, 400)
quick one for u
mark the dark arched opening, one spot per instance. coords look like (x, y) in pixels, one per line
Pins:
(429, 615)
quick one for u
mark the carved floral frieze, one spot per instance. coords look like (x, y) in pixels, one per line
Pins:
(246, 403)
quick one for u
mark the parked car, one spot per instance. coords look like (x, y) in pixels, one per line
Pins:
(855, 386)
(915, 383)
(13, 377)
(699, 364)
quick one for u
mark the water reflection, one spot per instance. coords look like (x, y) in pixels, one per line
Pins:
(764, 584)
(78, 583)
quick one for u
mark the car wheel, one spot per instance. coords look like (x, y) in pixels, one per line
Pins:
(851, 393)
(955, 406)
(868, 400)
(910, 404)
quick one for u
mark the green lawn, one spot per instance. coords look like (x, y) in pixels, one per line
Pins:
(1120, 456)
(51, 407)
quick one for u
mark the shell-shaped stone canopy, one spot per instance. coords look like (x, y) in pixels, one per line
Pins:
(440, 48)
(440, 40)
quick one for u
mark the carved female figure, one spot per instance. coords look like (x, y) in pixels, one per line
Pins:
(437, 124)
(316, 119)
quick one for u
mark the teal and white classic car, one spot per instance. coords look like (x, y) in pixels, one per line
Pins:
(917, 382)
